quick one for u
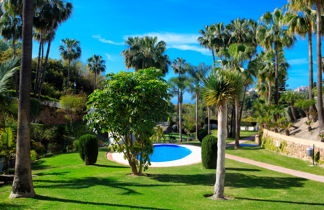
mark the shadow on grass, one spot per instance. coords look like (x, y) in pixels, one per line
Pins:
(51, 173)
(110, 166)
(237, 180)
(4, 206)
(279, 201)
(88, 182)
(38, 165)
(47, 198)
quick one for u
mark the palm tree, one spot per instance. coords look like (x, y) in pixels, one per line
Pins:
(197, 74)
(7, 70)
(11, 22)
(215, 38)
(179, 85)
(180, 67)
(22, 184)
(301, 21)
(319, 5)
(220, 87)
(96, 65)
(272, 35)
(70, 51)
(146, 52)
(49, 15)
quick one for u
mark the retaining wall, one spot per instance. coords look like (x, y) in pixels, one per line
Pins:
(291, 146)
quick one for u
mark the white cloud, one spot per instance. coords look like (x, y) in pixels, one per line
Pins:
(109, 57)
(177, 41)
(299, 61)
(171, 38)
(199, 49)
(106, 41)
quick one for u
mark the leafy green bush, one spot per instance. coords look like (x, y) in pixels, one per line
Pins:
(88, 148)
(209, 152)
(202, 133)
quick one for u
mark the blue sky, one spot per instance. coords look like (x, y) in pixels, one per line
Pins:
(103, 25)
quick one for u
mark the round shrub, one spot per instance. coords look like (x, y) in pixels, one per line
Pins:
(88, 149)
(201, 134)
(209, 152)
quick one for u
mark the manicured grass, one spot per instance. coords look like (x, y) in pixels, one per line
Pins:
(63, 182)
(262, 155)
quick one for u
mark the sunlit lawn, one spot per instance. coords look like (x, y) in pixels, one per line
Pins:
(63, 182)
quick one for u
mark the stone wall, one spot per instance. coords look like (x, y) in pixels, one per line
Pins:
(291, 146)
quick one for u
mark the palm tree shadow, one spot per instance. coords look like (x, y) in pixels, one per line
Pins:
(47, 198)
(88, 182)
(237, 180)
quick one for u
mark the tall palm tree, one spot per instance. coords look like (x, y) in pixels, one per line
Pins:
(301, 20)
(22, 184)
(49, 15)
(319, 5)
(273, 35)
(70, 51)
(180, 67)
(220, 87)
(197, 74)
(146, 52)
(96, 64)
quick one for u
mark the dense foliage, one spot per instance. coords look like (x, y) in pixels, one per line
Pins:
(209, 152)
(128, 108)
(88, 148)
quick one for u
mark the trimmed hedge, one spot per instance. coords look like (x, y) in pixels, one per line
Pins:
(209, 152)
(202, 133)
(88, 148)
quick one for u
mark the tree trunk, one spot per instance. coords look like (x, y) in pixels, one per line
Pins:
(220, 168)
(237, 123)
(197, 98)
(320, 110)
(293, 113)
(269, 94)
(213, 55)
(37, 68)
(47, 52)
(14, 47)
(310, 57)
(44, 67)
(22, 185)
(276, 95)
(208, 120)
(180, 116)
(95, 77)
(68, 79)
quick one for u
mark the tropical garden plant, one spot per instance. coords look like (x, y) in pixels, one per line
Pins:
(128, 108)
(219, 88)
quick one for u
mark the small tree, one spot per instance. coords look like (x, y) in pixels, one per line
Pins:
(88, 148)
(128, 108)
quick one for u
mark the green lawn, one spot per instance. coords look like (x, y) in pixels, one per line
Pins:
(266, 156)
(63, 182)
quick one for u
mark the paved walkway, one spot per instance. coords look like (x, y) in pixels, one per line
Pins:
(276, 168)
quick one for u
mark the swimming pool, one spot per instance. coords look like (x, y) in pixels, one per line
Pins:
(168, 152)
(167, 155)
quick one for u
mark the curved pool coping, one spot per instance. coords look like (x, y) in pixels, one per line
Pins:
(193, 158)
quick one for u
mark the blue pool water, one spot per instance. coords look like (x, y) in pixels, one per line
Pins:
(168, 152)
